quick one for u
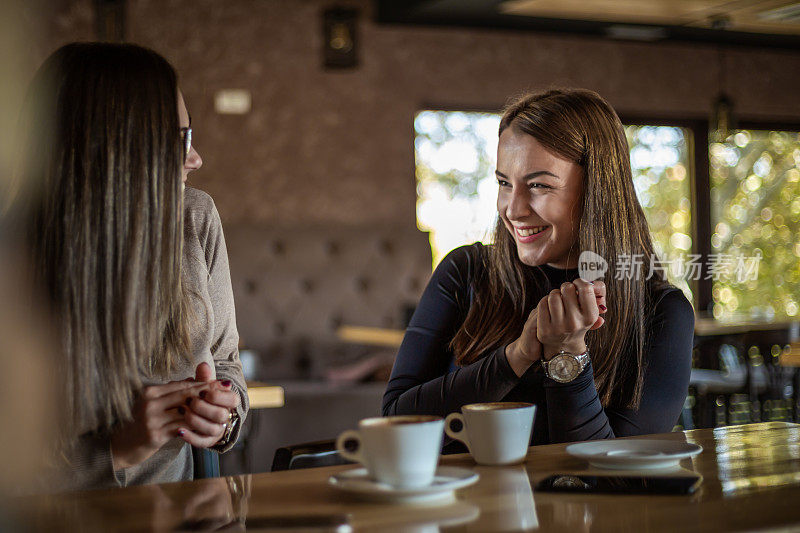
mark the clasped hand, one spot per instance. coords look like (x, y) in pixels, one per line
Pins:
(559, 322)
(195, 410)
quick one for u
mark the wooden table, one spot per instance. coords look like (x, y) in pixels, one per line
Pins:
(709, 326)
(791, 357)
(371, 336)
(703, 327)
(263, 396)
(751, 481)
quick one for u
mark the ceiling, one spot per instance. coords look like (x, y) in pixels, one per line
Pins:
(773, 23)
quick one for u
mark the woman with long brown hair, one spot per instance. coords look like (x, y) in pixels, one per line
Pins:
(513, 321)
(135, 270)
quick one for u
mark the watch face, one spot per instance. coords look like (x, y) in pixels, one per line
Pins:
(564, 367)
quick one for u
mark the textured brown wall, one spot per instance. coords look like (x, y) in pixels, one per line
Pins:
(336, 147)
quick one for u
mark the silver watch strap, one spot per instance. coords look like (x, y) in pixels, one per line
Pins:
(582, 358)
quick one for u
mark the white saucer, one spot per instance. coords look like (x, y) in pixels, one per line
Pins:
(447, 480)
(633, 454)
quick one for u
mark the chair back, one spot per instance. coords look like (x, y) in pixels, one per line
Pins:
(307, 455)
(206, 463)
(330, 276)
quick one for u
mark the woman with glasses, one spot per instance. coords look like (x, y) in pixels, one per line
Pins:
(134, 267)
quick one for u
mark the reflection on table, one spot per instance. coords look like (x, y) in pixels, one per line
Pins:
(751, 481)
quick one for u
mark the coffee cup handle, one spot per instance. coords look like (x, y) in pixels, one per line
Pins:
(350, 435)
(458, 435)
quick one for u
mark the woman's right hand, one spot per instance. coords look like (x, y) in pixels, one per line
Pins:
(527, 349)
(158, 412)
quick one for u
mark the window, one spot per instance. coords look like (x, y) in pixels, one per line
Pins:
(755, 213)
(456, 155)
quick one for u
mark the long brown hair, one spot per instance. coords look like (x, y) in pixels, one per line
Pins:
(100, 203)
(579, 126)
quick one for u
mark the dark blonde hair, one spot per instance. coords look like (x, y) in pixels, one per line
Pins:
(100, 203)
(579, 126)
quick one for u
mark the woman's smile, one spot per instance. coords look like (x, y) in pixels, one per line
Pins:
(528, 234)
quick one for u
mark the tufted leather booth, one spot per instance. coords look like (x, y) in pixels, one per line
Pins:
(295, 286)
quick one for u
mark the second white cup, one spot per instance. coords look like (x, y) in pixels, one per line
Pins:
(496, 433)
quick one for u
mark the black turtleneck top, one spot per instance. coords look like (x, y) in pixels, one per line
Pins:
(425, 379)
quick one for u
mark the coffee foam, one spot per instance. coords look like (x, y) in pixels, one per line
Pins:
(397, 420)
(495, 406)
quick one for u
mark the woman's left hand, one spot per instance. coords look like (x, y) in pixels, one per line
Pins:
(208, 413)
(566, 314)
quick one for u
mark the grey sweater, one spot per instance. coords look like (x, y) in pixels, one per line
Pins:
(214, 340)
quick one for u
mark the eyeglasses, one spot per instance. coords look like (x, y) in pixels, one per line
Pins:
(186, 138)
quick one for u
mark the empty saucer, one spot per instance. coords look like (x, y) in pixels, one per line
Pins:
(633, 454)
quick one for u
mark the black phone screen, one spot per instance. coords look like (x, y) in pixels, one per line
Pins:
(620, 484)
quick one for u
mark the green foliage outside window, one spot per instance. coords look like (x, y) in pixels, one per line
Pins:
(755, 211)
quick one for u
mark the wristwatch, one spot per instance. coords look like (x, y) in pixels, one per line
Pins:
(233, 421)
(563, 367)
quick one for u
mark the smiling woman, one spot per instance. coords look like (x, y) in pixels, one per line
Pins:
(494, 318)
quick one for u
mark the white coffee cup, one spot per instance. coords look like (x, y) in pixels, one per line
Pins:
(402, 451)
(496, 433)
